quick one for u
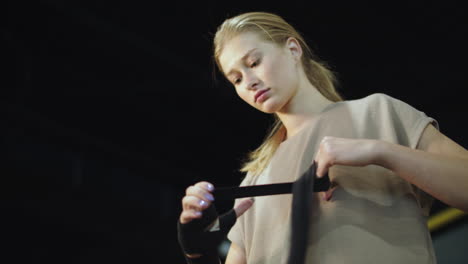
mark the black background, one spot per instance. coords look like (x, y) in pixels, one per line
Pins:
(112, 109)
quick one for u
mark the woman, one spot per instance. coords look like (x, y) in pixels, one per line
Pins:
(386, 160)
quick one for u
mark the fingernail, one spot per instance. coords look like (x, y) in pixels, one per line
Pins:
(210, 187)
(202, 202)
(198, 213)
(209, 197)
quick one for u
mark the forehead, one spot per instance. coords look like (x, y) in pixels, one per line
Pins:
(235, 48)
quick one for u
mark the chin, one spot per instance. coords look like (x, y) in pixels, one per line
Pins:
(269, 107)
(268, 111)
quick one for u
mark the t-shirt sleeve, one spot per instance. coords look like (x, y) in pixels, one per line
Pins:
(409, 124)
(236, 234)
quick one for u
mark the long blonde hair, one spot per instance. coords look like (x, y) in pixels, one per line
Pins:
(273, 28)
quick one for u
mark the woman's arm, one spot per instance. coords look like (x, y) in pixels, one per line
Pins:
(439, 166)
(235, 255)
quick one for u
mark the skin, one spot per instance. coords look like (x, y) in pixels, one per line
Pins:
(291, 96)
(295, 100)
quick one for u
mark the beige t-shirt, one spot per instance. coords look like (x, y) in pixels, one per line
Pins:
(374, 215)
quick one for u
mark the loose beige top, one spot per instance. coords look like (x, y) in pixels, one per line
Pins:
(374, 216)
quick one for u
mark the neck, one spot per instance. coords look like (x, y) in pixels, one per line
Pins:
(303, 106)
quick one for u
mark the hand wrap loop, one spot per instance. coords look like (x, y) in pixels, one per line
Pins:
(203, 236)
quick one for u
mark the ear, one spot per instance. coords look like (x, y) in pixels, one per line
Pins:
(294, 48)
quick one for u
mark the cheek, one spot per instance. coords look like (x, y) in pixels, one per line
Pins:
(243, 95)
(289, 77)
(279, 72)
(271, 70)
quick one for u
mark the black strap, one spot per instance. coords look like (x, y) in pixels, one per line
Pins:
(301, 205)
(231, 193)
(301, 213)
(194, 238)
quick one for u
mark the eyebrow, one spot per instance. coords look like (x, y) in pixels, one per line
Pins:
(241, 59)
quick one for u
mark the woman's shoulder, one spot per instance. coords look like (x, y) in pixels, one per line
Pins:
(373, 100)
(375, 97)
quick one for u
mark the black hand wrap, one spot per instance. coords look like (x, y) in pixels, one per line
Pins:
(302, 205)
(195, 237)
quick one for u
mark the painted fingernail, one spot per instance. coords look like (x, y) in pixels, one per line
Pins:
(209, 197)
(202, 202)
(198, 213)
(210, 187)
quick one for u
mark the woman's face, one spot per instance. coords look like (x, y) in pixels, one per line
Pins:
(264, 74)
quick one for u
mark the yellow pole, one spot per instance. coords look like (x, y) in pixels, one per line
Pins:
(444, 218)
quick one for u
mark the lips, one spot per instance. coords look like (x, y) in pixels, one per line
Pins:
(259, 93)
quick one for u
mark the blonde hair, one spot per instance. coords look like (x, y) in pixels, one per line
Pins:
(273, 28)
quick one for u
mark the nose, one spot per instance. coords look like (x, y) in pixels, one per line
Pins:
(252, 82)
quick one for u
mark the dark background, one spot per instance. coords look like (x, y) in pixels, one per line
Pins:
(112, 110)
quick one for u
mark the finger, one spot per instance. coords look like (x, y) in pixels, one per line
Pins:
(318, 164)
(317, 160)
(243, 206)
(188, 215)
(322, 166)
(194, 203)
(323, 157)
(327, 195)
(200, 192)
(205, 185)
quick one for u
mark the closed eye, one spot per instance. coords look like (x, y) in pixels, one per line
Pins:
(252, 65)
(255, 63)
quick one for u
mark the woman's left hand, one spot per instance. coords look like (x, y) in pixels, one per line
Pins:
(344, 151)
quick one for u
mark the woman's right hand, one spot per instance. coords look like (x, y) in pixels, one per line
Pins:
(197, 198)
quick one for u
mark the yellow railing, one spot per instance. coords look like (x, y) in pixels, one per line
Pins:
(444, 218)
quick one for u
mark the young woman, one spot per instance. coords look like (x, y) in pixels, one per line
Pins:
(386, 160)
